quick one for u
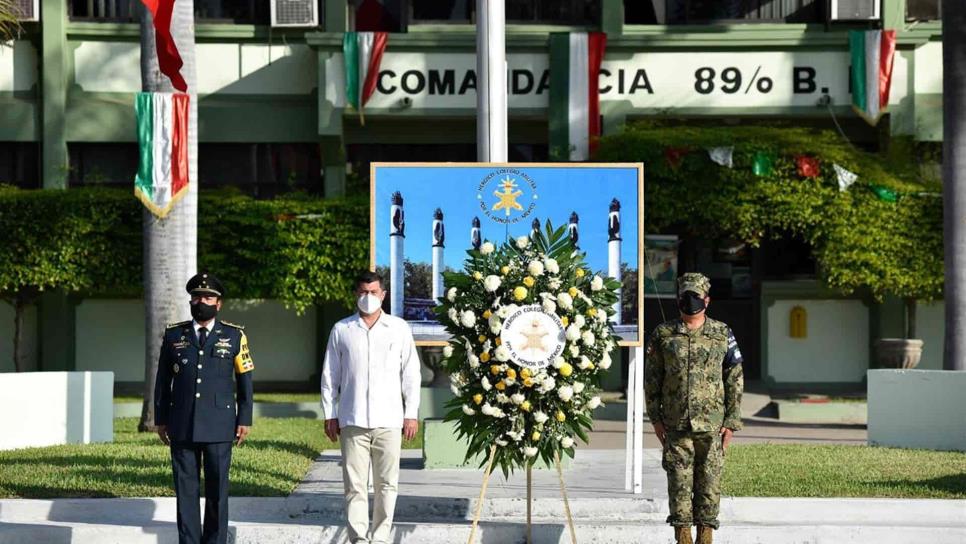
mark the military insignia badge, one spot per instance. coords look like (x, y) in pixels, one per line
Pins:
(243, 361)
(177, 368)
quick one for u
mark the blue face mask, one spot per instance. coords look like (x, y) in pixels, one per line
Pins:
(690, 303)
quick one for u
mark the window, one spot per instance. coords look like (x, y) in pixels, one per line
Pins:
(563, 12)
(722, 11)
(102, 163)
(20, 164)
(209, 11)
(924, 10)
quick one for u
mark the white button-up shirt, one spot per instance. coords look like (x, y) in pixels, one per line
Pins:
(371, 377)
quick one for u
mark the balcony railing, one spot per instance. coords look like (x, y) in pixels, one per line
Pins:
(211, 11)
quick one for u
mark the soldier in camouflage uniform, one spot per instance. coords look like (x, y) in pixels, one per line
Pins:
(692, 384)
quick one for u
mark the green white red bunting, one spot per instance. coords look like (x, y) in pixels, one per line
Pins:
(575, 59)
(872, 56)
(162, 126)
(844, 177)
(363, 54)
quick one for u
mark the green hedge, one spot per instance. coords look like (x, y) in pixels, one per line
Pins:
(859, 240)
(298, 249)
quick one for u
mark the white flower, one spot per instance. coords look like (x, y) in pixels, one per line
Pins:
(597, 283)
(473, 360)
(451, 294)
(485, 382)
(588, 338)
(517, 398)
(579, 387)
(580, 321)
(498, 413)
(509, 381)
(487, 248)
(535, 268)
(500, 442)
(555, 283)
(601, 315)
(502, 399)
(584, 363)
(515, 435)
(468, 318)
(540, 418)
(523, 242)
(565, 393)
(448, 351)
(573, 332)
(558, 362)
(547, 385)
(549, 306)
(605, 361)
(530, 451)
(453, 315)
(551, 266)
(566, 442)
(565, 301)
(574, 350)
(594, 402)
(455, 390)
(492, 283)
(487, 409)
(496, 325)
(502, 354)
(468, 411)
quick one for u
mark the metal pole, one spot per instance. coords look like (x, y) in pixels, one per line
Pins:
(491, 94)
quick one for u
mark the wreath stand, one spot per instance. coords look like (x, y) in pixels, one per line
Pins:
(563, 492)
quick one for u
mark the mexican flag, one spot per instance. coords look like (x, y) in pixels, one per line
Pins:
(872, 55)
(575, 59)
(169, 60)
(363, 53)
(162, 125)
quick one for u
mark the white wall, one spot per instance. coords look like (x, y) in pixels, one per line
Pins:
(930, 327)
(48, 408)
(28, 337)
(110, 336)
(18, 66)
(917, 409)
(835, 350)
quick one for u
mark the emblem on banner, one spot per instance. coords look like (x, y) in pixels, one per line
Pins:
(507, 195)
(534, 337)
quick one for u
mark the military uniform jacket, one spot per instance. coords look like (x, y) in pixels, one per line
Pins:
(693, 379)
(203, 392)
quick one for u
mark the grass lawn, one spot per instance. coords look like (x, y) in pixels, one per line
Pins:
(259, 397)
(270, 463)
(780, 470)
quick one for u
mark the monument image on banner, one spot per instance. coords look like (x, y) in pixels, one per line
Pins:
(427, 216)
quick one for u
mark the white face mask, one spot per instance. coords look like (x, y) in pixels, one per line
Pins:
(369, 303)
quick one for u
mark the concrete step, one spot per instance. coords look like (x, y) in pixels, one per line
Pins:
(489, 533)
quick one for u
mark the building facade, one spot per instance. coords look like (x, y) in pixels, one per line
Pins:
(273, 119)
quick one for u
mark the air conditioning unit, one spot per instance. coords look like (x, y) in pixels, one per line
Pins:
(295, 13)
(27, 10)
(855, 10)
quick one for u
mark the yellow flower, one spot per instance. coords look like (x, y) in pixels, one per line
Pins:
(565, 321)
(572, 291)
(487, 314)
(477, 275)
(528, 281)
(498, 340)
(485, 356)
(510, 373)
(561, 417)
(478, 398)
(520, 293)
(580, 274)
(482, 338)
(494, 369)
(525, 406)
(525, 373)
(591, 366)
(535, 436)
(504, 270)
(500, 386)
(591, 312)
(527, 382)
(565, 370)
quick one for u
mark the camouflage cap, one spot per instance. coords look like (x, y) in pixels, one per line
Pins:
(693, 281)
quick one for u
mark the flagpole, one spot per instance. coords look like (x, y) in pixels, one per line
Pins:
(491, 95)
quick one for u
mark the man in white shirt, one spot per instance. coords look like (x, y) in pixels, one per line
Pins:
(370, 397)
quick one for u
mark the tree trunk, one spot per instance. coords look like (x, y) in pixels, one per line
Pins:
(954, 178)
(170, 244)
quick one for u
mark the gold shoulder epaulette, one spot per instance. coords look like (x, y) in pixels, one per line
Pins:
(179, 324)
(239, 327)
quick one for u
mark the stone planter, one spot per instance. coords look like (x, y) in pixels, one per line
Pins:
(898, 352)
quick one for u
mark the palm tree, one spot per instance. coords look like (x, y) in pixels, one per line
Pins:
(170, 244)
(954, 183)
(9, 22)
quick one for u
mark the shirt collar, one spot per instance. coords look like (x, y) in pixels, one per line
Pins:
(382, 321)
(211, 326)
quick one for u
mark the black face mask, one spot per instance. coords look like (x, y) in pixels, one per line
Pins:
(203, 312)
(690, 303)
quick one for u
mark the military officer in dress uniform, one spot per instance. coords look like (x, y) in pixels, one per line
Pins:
(202, 404)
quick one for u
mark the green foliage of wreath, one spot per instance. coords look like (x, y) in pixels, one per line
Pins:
(526, 414)
(859, 239)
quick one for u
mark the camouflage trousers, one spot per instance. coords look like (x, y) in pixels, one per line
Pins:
(693, 463)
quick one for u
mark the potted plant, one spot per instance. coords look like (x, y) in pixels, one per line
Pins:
(901, 352)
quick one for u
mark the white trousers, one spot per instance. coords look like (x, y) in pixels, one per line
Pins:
(380, 449)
